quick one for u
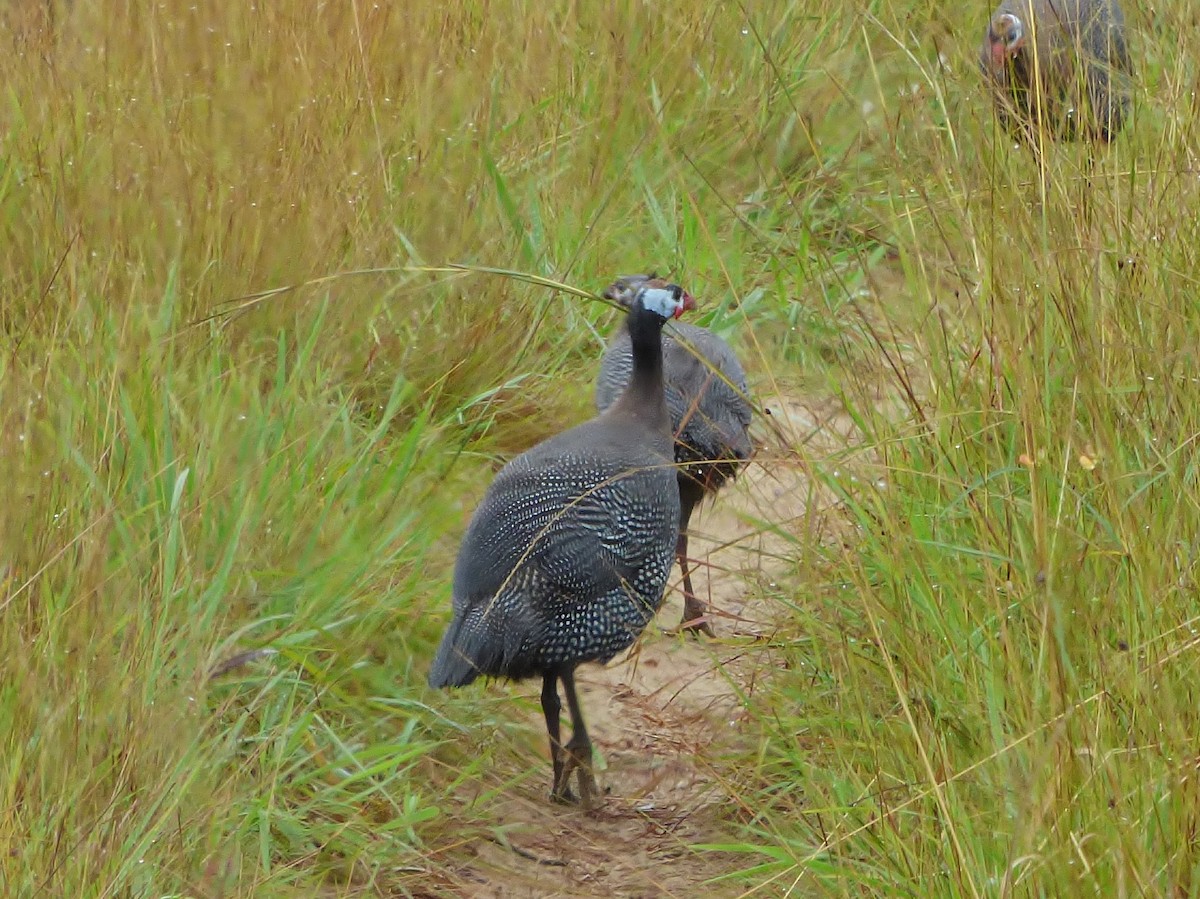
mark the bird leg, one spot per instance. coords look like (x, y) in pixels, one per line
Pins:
(579, 748)
(694, 620)
(694, 609)
(552, 709)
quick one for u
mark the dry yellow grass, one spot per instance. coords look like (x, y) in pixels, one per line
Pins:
(980, 679)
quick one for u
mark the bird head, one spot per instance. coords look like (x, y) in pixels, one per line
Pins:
(626, 287)
(667, 300)
(1005, 37)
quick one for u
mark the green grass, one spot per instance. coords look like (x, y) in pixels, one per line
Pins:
(984, 686)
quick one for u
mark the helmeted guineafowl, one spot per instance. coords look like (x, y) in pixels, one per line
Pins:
(566, 559)
(710, 414)
(1061, 64)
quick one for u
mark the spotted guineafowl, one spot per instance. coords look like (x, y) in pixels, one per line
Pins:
(1061, 64)
(710, 414)
(566, 559)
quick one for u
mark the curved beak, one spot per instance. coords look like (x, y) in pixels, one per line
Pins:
(689, 302)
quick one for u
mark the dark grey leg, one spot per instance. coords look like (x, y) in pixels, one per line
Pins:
(694, 609)
(579, 749)
(552, 709)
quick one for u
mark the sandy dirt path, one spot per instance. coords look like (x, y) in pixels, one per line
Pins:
(667, 717)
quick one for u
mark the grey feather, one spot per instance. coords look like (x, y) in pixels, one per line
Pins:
(566, 558)
(1073, 73)
(707, 398)
(710, 417)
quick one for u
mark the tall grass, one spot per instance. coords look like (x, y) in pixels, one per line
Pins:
(998, 700)
(983, 687)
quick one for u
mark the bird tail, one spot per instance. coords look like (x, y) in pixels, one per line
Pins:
(478, 643)
(451, 666)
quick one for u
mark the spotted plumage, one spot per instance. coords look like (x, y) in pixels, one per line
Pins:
(706, 396)
(566, 558)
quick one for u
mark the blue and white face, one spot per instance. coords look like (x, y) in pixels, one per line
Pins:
(625, 288)
(668, 300)
(1005, 37)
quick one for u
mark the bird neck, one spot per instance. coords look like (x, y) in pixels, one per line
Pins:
(645, 397)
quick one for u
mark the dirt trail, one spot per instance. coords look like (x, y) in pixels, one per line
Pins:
(663, 715)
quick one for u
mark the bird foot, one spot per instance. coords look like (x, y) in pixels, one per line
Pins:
(561, 791)
(577, 760)
(588, 798)
(589, 794)
(695, 619)
(695, 627)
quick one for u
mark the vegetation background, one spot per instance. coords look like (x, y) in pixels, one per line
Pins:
(985, 684)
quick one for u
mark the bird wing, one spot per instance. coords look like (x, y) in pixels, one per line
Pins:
(707, 396)
(710, 415)
(577, 520)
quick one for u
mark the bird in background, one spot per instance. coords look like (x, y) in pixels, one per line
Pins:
(707, 397)
(1058, 67)
(566, 558)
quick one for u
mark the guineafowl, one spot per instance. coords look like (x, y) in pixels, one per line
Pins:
(566, 559)
(710, 414)
(1076, 51)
